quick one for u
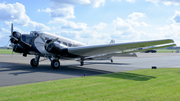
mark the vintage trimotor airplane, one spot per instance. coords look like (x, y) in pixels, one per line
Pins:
(55, 47)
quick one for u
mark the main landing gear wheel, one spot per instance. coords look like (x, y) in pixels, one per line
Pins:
(34, 63)
(55, 64)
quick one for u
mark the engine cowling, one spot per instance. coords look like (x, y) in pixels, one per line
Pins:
(55, 48)
(16, 37)
(18, 48)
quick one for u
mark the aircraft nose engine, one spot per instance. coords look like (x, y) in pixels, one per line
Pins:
(49, 45)
(15, 37)
(53, 47)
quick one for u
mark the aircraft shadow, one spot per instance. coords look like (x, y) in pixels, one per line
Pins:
(72, 70)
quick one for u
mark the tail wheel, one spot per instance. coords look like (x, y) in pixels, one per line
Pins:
(55, 64)
(34, 63)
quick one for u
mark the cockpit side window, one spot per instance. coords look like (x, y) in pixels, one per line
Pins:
(27, 38)
(23, 38)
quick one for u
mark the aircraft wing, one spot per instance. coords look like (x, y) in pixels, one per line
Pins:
(86, 51)
(158, 47)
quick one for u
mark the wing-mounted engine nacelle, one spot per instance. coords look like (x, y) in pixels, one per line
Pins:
(18, 48)
(54, 47)
(15, 37)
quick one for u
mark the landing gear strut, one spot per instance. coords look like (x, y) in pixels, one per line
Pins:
(111, 60)
(82, 62)
(35, 61)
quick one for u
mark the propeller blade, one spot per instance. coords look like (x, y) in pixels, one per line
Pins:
(11, 28)
(13, 37)
(7, 43)
(53, 41)
(47, 44)
(12, 49)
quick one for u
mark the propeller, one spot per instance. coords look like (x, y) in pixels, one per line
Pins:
(15, 37)
(49, 43)
(11, 36)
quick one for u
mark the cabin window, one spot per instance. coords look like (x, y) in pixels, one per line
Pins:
(46, 38)
(69, 45)
(75, 46)
(59, 41)
(64, 43)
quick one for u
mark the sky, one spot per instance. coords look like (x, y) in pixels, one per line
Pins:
(93, 22)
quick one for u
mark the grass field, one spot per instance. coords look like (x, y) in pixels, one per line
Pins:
(5, 51)
(142, 85)
(166, 50)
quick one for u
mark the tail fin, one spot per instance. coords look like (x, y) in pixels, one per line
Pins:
(112, 41)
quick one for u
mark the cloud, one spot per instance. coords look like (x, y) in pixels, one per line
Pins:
(97, 3)
(73, 25)
(176, 17)
(166, 2)
(13, 12)
(81, 2)
(121, 30)
(16, 13)
(90, 37)
(65, 8)
(69, 24)
(172, 30)
(127, 24)
(58, 20)
(5, 31)
(38, 26)
(136, 23)
(130, 1)
(93, 3)
(126, 29)
(66, 12)
(100, 26)
(136, 15)
(120, 24)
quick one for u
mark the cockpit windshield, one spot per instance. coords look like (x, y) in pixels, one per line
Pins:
(35, 33)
